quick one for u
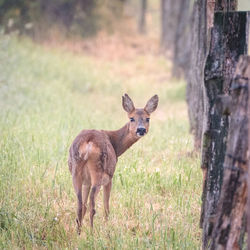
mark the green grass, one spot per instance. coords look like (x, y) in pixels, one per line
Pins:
(46, 97)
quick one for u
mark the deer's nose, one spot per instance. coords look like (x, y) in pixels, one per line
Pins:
(141, 131)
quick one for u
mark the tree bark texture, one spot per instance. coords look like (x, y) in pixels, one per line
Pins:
(228, 42)
(232, 202)
(248, 163)
(195, 74)
(210, 12)
(226, 5)
(202, 22)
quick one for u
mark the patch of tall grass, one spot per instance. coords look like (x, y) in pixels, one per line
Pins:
(46, 97)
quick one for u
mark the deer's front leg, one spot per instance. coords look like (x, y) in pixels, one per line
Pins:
(106, 196)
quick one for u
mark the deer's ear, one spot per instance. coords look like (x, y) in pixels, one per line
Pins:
(152, 104)
(127, 104)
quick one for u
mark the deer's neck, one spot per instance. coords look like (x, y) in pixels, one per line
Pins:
(121, 139)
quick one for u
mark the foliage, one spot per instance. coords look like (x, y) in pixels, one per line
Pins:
(37, 18)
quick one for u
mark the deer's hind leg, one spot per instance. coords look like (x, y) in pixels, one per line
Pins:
(77, 183)
(106, 196)
(93, 194)
(86, 189)
(96, 182)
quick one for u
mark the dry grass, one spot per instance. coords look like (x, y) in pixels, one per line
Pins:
(47, 95)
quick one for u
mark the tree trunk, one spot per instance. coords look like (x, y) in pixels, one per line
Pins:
(164, 7)
(232, 203)
(176, 38)
(195, 74)
(142, 17)
(169, 22)
(203, 15)
(248, 163)
(226, 5)
(228, 42)
(182, 37)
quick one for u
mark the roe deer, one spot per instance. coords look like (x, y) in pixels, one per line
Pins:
(93, 156)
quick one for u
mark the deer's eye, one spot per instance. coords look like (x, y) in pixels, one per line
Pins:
(147, 119)
(132, 119)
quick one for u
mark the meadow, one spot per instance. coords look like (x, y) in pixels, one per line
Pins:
(47, 96)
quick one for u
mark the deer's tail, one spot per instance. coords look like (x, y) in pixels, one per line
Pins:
(84, 153)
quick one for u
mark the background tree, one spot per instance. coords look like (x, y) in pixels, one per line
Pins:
(195, 89)
(182, 43)
(142, 17)
(170, 13)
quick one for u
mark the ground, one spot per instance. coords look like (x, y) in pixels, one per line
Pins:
(47, 95)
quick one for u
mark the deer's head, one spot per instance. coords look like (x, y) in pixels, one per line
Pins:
(139, 117)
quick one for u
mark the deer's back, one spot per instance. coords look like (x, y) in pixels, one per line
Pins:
(101, 153)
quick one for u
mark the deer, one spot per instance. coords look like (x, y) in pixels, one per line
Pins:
(94, 153)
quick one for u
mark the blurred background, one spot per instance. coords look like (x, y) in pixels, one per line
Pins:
(85, 17)
(88, 25)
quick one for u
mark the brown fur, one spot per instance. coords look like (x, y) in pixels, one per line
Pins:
(93, 156)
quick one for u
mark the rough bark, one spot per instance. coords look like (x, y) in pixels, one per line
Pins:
(248, 163)
(195, 74)
(203, 15)
(226, 5)
(210, 12)
(232, 203)
(228, 42)
(142, 17)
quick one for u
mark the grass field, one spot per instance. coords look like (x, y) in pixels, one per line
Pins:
(47, 96)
